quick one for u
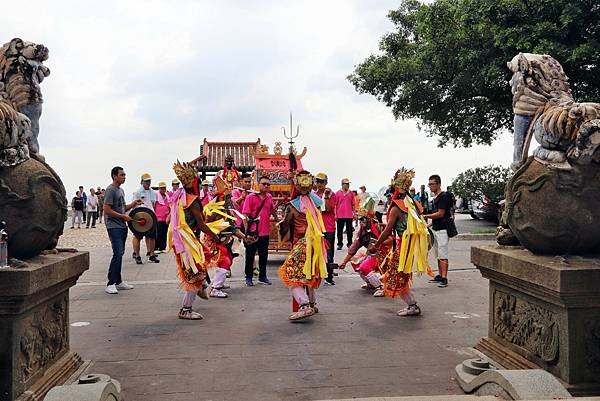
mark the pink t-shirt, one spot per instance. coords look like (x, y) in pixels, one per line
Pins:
(344, 204)
(161, 207)
(328, 217)
(204, 197)
(235, 195)
(251, 205)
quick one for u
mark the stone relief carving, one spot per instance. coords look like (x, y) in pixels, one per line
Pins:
(44, 338)
(528, 326)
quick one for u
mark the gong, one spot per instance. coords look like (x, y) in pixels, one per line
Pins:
(144, 220)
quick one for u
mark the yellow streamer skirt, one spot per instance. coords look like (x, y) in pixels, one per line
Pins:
(305, 265)
(192, 262)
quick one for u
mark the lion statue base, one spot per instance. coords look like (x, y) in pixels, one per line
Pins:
(554, 211)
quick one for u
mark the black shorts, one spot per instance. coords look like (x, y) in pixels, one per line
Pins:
(148, 234)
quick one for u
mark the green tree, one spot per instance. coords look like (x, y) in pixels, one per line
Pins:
(475, 183)
(445, 64)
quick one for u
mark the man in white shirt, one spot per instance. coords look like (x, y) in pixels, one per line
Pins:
(148, 197)
(92, 208)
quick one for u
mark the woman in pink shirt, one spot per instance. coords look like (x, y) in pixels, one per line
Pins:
(345, 205)
(259, 206)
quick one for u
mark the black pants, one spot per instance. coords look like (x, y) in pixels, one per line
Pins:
(262, 246)
(91, 216)
(161, 235)
(330, 238)
(340, 231)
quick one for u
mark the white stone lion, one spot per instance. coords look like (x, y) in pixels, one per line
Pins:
(568, 132)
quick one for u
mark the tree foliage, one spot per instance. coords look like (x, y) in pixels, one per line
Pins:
(476, 182)
(445, 63)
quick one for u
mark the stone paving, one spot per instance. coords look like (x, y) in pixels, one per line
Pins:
(245, 348)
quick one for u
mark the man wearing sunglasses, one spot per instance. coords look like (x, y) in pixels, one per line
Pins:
(258, 207)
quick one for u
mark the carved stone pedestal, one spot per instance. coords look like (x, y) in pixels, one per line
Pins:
(544, 311)
(34, 325)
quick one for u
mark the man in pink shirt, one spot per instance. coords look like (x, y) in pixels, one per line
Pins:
(258, 207)
(345, 205)
(328, 213)
(161, 208)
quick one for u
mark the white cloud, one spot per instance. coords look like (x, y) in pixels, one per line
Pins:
(141, 83)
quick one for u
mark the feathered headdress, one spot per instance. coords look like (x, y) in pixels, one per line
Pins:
(403, 179)
(185, 173)
(367, 209)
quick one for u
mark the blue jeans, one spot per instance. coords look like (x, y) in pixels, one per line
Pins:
(117, 236)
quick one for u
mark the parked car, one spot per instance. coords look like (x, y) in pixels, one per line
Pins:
(486, 210)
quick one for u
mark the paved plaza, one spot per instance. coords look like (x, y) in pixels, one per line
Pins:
(246, 349)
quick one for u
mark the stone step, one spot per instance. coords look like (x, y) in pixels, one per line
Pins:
(426, 398)
(464, 397)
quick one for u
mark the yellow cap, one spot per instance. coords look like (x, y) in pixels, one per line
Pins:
(205, 182)
(345, 181)
(146, 177)
(321, 176)
(175, 182)
(162, 184)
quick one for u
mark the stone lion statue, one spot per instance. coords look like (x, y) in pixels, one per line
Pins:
(552, 198)
(32, 196)
(568, 132)
(22, 70)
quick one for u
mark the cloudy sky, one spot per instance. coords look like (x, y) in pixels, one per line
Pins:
(140, 83)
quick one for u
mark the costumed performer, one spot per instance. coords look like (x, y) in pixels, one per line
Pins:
(222, 256)
(187, 223)
(305, 266)
(224, 184)
(368, 232)
(405, 223)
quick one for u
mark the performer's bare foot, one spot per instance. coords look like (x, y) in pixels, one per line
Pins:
(304, 312)
(189, 314)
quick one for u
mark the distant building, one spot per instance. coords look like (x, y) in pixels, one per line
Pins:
(212, 156)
